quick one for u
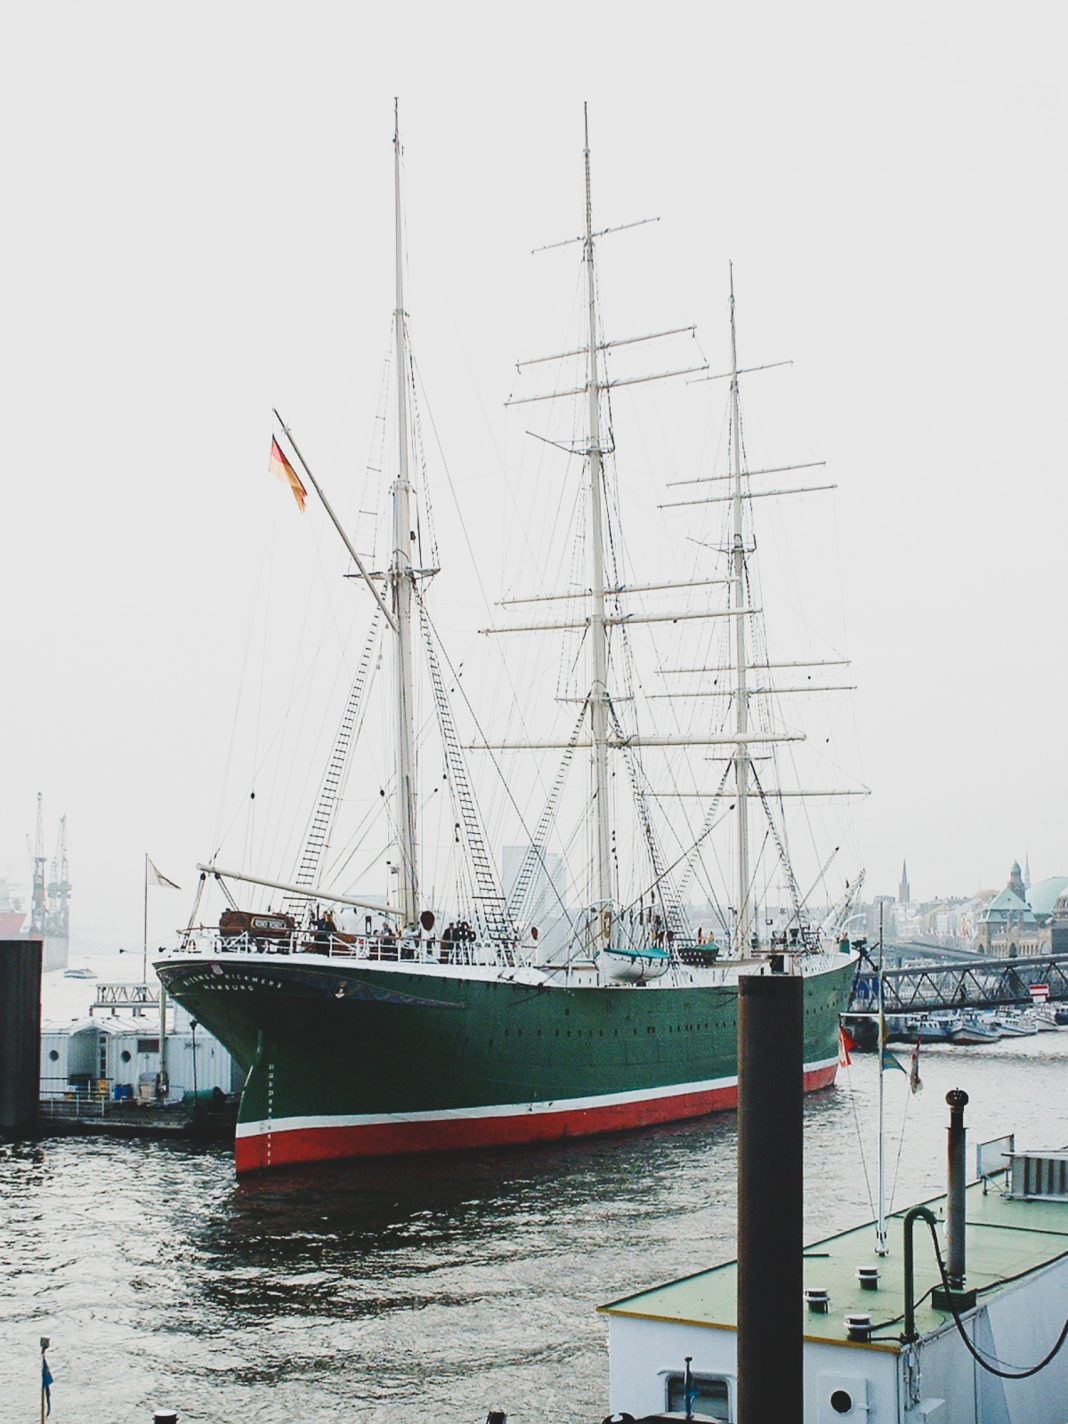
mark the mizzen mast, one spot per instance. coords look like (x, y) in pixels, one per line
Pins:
(402, 590)
(602, 849)
(743, 915)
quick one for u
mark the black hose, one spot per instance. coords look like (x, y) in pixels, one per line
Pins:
(971, 1348)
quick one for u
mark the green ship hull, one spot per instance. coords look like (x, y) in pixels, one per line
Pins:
(347, 1058)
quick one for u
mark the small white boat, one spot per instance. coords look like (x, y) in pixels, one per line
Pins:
(1016, 1025)
(1045, 1019)
(927, 1028)
(635, 966)
(973, 1029)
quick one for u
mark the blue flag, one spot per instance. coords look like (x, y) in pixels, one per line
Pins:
(887, 1060)
(46, 1384)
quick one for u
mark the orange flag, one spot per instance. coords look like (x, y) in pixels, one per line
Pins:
(280, 467)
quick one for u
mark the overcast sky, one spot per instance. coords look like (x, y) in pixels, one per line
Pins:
(198, 227)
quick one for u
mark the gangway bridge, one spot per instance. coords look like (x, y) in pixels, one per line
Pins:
(980, 983)
(908, 951)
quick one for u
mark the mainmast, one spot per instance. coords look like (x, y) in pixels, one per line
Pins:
(602, 849)
(743, 915)
(400, 579)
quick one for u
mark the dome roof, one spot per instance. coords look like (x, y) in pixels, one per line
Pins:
(1046, 893)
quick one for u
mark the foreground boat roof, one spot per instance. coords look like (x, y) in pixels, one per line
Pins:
(1006, 1238)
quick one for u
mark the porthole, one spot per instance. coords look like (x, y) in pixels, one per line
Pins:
(53, 1055)
(842, 1401)
(125, 1055)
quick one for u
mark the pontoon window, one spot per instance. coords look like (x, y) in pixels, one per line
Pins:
(711, 1397)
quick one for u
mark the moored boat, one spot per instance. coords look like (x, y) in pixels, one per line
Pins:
(400, 1036)
(1015, 1025)
(974, 1029)
(1045, 1018)
(925, 1028)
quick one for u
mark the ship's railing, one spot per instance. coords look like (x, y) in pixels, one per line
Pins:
(376, 948)
(95, 1098)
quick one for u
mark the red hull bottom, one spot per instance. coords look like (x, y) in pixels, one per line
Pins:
(293, 1146)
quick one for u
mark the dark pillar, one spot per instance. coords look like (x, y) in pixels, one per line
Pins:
(20, 1033)
(770, 1198)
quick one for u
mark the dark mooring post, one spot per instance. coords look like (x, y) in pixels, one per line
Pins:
(20, 1033)
(770, 1198)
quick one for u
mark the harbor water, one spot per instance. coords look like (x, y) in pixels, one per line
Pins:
(435, 1288)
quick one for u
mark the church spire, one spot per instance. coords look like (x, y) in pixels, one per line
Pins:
(1016, 884)
(903, 889)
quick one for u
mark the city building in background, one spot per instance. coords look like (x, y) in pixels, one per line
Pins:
(1019, 920)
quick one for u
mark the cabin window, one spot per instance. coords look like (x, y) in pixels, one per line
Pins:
(53, 1056)
(711, 1396)
(126, 1055)
(148, 1045)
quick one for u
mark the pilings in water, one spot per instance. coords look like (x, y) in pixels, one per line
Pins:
(770, 1198)
(20, 1033)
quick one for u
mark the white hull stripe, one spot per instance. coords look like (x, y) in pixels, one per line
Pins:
(492, 1110)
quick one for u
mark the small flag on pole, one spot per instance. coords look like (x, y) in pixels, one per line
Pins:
(280, 467)
(46, 1379)
(914, 1069)
(887, 1060)
(845, 1048)
(155, 877)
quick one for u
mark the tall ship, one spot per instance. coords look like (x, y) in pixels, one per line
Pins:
(423, 1020)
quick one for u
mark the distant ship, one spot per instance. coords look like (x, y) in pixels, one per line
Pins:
(12, 915)
(399, 1030)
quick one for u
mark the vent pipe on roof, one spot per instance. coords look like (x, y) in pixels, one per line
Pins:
(956, 1298)
(957, 1099)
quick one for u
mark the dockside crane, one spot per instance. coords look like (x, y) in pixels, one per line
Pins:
(59, 885)
(39, 898)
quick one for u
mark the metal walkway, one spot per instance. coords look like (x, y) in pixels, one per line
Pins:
(911, 950)
(986, 983)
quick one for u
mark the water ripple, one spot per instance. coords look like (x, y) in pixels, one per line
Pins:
(454, 1285)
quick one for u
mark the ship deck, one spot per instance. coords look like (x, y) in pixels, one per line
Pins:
(575, 975)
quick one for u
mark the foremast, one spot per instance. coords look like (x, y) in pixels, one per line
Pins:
(599, 696)
(402, 593)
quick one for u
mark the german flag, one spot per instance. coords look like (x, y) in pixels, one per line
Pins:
(280, 467)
